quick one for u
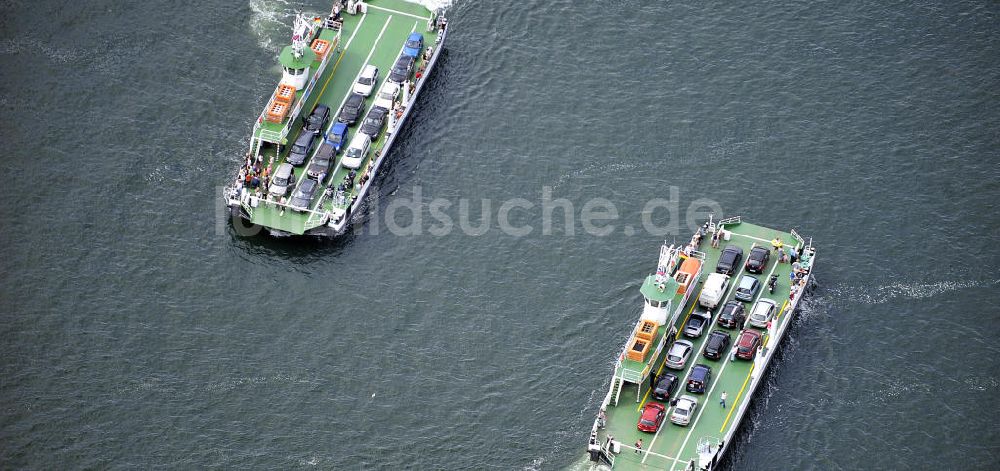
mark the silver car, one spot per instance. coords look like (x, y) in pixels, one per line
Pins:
(282, 180)
(762, 313)
(684, 410)
(678, 355)
(696, 324)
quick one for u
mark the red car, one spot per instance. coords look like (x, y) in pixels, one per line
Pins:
(652, 417)
(746, 345)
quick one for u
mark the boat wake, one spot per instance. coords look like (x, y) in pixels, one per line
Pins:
(433, 5)
(602, 170)
(269, 20)
(867, 294)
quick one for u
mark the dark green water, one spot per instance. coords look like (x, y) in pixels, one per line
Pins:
(138, 331)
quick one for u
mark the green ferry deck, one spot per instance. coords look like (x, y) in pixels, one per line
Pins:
(373, 35)
(712, 426)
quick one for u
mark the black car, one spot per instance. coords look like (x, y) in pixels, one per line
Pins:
(374, 121)
(699, 378)
(757, 260)
(320, 164)
(664, 386)
(317, 120)
(351, 110)
(401, 69)
(304, 195)
(301, 149)
(733, 315)
(717, 344)
(729, 260)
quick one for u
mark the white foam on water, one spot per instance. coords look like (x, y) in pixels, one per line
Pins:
(602, 170)
(433, 5)
(271, 20)
(878, 294)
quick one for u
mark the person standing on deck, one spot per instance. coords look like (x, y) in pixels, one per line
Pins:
(777, 244)
(638, 446)
(722, 399)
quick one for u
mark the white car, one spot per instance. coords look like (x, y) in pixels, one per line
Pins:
(713, 290)
(762, 313)
(357, 151)
(678, 354)
(386, 95)
(684, 410)
(366, 81)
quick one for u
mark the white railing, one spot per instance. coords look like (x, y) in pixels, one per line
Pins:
(730, 220)
(802, 242)
(698, 254)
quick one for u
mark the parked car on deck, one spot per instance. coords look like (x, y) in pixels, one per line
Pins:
(317, 119)
(303, 195)
(729, 260)
(320, 164)
(684, 410)
(747, 289)
(401, 69)
(762, 313)
(757, 260)
(284, 178)
(351, 110)
(696, 324)
(337, 137)
(713, 290)
(699, 378)
(717, 345)
(665, 386)
(374, 122)
(386, 95)
(414, 43)
(301, 149)
(678, 354)
(747, 343)
(366, 80)
(652, 417)
(733, 315)
(357, 151)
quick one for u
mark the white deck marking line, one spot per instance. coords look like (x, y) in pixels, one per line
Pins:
(336, 165)
(411, 15)
(376, 87)
(751, 237)
(368, 58)
(715, 383)
(646, 452)
(305, 168)
(704, 343)
(736, 279)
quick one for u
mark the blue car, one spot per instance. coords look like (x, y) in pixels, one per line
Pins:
(414, 43)
(337, 136)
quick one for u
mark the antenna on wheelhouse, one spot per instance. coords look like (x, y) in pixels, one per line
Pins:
(299, 32)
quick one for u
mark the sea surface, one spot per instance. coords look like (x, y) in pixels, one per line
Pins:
(139, 330)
